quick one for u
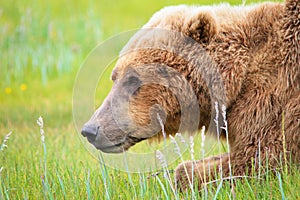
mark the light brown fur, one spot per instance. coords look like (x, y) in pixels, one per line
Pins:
(256, 51)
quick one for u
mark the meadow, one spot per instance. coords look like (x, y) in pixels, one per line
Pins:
(42, 46)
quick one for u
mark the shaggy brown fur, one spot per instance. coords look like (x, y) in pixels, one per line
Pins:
(256, 51)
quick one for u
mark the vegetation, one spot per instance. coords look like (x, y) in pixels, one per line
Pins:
(42, 46)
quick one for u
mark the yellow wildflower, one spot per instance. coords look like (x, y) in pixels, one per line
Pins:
(8, 90)
(23, 87)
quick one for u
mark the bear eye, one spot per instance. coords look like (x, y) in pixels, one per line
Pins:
(132, 81)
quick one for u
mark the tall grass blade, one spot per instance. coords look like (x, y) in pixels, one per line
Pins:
(163, 188)
(88, 186)
(228, 146)
(284, 145)
(280, 185)
(129, 176)
(104, 176)
(61, 184)
(44, 177)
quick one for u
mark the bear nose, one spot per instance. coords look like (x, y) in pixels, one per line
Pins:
(90, 131)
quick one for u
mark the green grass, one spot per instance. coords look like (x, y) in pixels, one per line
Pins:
(42, 46)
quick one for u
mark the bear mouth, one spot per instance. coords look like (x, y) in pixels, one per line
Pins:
(118, 147)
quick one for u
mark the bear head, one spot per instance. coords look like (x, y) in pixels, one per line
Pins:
(161, 76)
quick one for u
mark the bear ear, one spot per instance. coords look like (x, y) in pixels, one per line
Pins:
(201, 27)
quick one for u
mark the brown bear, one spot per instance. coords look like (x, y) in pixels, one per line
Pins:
(246, 58)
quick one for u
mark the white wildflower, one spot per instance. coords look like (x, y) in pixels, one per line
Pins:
(182, 140)
(40, 123)
(216, 120)
(176, 146)
(192, 147)
(162, 126)
(6, 138)
(202, 137)
(161, 158)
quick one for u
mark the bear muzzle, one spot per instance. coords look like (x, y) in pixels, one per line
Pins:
(96, 137)
(90, 132)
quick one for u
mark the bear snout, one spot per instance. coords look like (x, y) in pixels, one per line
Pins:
(90, 131)
(103, 140)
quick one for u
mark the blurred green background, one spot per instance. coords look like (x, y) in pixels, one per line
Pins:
(42, 45)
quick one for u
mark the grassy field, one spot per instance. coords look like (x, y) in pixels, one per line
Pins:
(42, 45)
